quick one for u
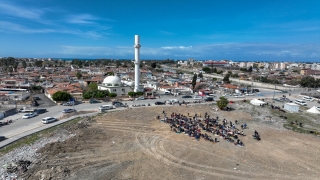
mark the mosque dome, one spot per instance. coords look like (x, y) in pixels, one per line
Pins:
(112, 81)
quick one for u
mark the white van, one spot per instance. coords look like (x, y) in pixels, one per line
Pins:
(307, 98)
(300, 102)
(173, 101)
(47, 120)
(105, 107)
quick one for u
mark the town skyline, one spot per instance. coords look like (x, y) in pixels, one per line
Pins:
(238, 31)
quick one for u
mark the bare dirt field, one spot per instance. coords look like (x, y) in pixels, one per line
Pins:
(132, 144)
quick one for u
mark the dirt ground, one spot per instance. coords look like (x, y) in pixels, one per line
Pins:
(132, 144)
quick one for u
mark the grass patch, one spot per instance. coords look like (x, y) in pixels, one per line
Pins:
(293, 122)
(28, 140)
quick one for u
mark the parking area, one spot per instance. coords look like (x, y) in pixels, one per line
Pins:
(44, 101)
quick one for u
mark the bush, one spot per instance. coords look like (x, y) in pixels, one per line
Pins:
(61, 96)
(112, 94)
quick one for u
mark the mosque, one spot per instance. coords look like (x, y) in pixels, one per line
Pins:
(113, 83)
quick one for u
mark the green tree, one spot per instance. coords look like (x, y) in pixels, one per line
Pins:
(194, 81)
(24, 64)
(222, 102)
(200, 75)
(250, 69)
(112, 94)
(93, 86)
(139, 93)
(206, 69)
(131, 93)
(154, 65)
(61, 96)
(308, 81)
(226, 78)
(78, 75)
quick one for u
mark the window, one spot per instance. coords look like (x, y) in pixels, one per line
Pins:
(122, 89)
(114, 90)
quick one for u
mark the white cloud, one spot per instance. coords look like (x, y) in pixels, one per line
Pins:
(22, 12)
(82, 19)
(176, 47)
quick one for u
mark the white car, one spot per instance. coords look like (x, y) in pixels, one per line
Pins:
(140, 98)
(318, 108)
(249, 94)
(318, 90)
(226, 95)
(29, 115)
(47, 120)
(239, 96)
(197, 97)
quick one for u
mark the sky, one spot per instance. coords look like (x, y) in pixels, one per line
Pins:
(246, 30)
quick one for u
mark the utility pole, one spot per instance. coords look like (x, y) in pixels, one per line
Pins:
(274, 91)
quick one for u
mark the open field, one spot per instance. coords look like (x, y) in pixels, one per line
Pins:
(132, 144)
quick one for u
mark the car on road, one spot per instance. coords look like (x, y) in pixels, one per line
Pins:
(159, 103)
(40, 111)
(197, 97)
(249, 94)
(318, 90)
(48, 120)
(208, 99)
(115, 102)
(140, 98)
(67, 104)
(318, 108)
(29, 115)
(186, 96)
(36, 98)
(307, 98)
(2, 138)
(300, 102)
(238, 96)
(119, 104)
(68, 110)
(283, 91)
(227, 95)
(94, 101)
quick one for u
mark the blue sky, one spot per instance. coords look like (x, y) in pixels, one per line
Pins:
(278, 30)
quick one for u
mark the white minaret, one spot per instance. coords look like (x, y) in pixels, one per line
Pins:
(136, 63)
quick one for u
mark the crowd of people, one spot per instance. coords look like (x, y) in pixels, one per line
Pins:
(203, 127)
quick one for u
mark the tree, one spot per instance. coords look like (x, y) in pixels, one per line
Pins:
(226, 78)
(154, 65)
(206, 69)
(250, 69)
(24, 64)
(93, 86)
(308, 81)
(131, 94)
(200, 75)
(222, 102)
(194, 81)
(61, 96)
(78, 75)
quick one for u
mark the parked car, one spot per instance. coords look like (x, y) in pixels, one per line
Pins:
(140, 98)
(197, 97)
(2, 138)
(119, 104)
(68, 110)
(159, 103)
(115, 102)
(238, 96)
(36, 98)
(307, 98)
(48, 120)
(318, 108)
(300, 102)
(94, 101)
(249, 94)
(68, 104)
(40, 111)
(227, 95)
(283, 91)
(208, 99)
(29, 115)
(186, 96)
(106, 107)
(318, 90)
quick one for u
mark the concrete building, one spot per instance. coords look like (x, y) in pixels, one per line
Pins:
(114, 85)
